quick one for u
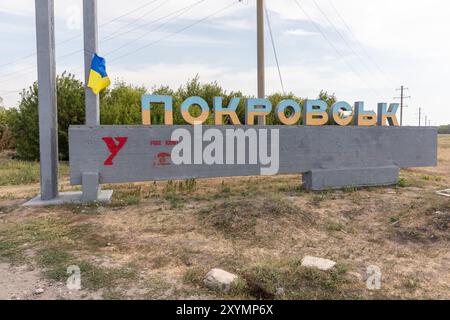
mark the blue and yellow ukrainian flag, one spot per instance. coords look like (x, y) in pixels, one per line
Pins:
(98, 78)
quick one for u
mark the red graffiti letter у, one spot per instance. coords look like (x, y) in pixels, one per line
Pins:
(113, 148)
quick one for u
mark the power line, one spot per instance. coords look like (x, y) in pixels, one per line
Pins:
(161, 39)
(356, 39)
(129, 12)
(79, 35)
(171, 34)
(274, 48)
(335, 48)
(120, 31)
(24, 71)
(176, 32)
(178, 13)
(344, 39)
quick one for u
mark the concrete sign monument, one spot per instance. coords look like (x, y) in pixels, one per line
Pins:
(329, 156)
(334, 147)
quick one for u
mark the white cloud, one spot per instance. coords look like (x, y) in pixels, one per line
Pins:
(299, 32)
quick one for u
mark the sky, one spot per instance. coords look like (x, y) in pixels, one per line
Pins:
(360, 50)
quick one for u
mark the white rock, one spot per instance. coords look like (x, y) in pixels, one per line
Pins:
(218, 279)
(39, 291)
(319, 263)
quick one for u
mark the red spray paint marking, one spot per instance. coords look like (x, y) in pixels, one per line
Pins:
(171, 143)
(113, 148)
(163, 159)
(155, 142)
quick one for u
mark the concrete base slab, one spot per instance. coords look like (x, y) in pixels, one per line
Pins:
(323, 179)
(104, 196)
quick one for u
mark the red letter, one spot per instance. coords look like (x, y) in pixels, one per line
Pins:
(113, 148)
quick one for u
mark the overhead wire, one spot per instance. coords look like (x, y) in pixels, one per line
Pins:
(338, 52)
(172, 34)
(19, 73)
(363, 49)
(175, 14)
(274, 48)
(79, 35)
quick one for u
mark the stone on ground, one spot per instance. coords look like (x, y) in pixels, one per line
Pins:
(39, 291)
(319, 263)
(218, 279)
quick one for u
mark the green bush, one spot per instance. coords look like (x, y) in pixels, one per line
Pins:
(121, 105)
(25, 124)
(194, 87)
(444, 129)
(6, 137)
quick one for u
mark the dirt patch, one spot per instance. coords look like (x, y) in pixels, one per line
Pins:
(26, 283)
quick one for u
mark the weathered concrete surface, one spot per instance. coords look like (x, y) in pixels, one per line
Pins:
(301, 148)
(48, 115)
(91, 187)
(218, 279)
(319, 263)
(104, 196)
(90, 33)
(350, 177)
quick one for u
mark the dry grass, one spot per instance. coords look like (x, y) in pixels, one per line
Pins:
(157, 240)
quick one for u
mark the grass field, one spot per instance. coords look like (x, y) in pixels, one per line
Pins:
(158, 240)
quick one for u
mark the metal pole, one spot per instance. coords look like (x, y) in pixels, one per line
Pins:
(92, 100)
(401, 107)
(48, 115)
(261, 64)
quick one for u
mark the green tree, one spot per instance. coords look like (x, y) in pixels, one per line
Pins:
(121, 104)
(444, 129)
(6, 138)
(330, 99)
(25, 120)
(194, 87)
(275, 99)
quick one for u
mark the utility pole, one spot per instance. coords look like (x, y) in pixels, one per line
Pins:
(48, 115)
(425, 121)
(402, 98)
(90, 29)
(260, 49)
(420, 115)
